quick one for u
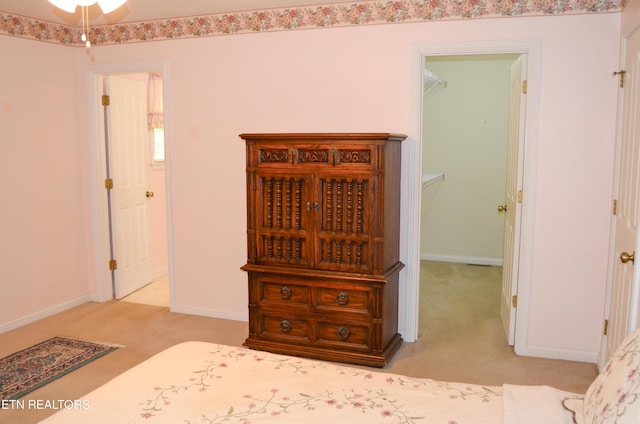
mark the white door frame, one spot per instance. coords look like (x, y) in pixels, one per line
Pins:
(100, 216)
(412, 174)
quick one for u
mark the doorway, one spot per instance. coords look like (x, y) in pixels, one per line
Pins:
(133, 219)
(134, 140)
(465, 160)
(413, 161)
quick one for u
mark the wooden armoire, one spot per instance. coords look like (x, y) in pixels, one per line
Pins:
(323, 225)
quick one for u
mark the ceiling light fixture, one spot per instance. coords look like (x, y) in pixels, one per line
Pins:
(70, 6)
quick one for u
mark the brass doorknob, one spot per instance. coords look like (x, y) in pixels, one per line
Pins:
(502, 208)
(626, 257)
(149, 194)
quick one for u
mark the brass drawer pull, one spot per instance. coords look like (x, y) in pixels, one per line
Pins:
(285, 326)
(343, 332)
(285, 292)
(342, 298)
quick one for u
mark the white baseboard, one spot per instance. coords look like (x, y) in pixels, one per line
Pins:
(52, 310)
(563, 354)
(211, 313)
(473, 260)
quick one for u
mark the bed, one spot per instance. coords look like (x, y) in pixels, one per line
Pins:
(199, 382)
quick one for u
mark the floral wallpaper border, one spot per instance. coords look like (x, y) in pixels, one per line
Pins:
(335, 15)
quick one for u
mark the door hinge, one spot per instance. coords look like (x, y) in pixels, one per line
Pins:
(113, 265)
(606, 326)
(524, 87)
(105, 100)
(519, 196)
(615, 206)
(620, 75)
(514, 301)
(108, 183)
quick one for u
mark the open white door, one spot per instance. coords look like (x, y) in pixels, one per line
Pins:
(623, 289)
(130, 165)
(512, 206)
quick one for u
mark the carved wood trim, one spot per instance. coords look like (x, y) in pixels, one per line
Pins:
(313, 156)
(354, 156)
(273, 156)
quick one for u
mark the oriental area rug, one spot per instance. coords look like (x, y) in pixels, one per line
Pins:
(33, 367)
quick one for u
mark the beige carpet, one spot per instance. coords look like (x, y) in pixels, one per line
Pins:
(461, 336)
(154, 293)
(461, 339)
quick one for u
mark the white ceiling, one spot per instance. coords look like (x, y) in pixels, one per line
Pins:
(144, 10)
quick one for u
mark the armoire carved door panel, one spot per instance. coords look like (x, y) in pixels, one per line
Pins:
(283, 224)
(344, 223)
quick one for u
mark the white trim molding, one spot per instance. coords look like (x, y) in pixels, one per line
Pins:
(44, 313)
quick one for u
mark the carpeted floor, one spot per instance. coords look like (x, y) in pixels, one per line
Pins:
(461, 339)
(154, 293)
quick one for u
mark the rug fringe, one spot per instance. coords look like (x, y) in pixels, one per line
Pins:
(110, 344)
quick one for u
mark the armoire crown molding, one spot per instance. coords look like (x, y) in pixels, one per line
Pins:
(314, 17)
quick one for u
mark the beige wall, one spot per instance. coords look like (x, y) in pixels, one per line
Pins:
(44, 247)
(340, 79)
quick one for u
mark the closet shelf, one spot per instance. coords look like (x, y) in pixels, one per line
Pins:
(432, 81)
(431, 178)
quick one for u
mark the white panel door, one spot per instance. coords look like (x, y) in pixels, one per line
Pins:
(515, 158)
(622, 304)
(130, 164)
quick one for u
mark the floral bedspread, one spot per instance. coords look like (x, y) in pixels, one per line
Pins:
(198, 382)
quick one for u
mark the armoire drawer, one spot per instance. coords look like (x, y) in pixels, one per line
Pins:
(288, 328)
(275, 292)
(344, 300)
(351, 336)
(284, 294)
(312, 332)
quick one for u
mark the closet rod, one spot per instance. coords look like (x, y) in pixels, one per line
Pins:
(432, 81)
(431, 178)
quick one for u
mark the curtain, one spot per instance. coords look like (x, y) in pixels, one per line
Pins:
(155, 117)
